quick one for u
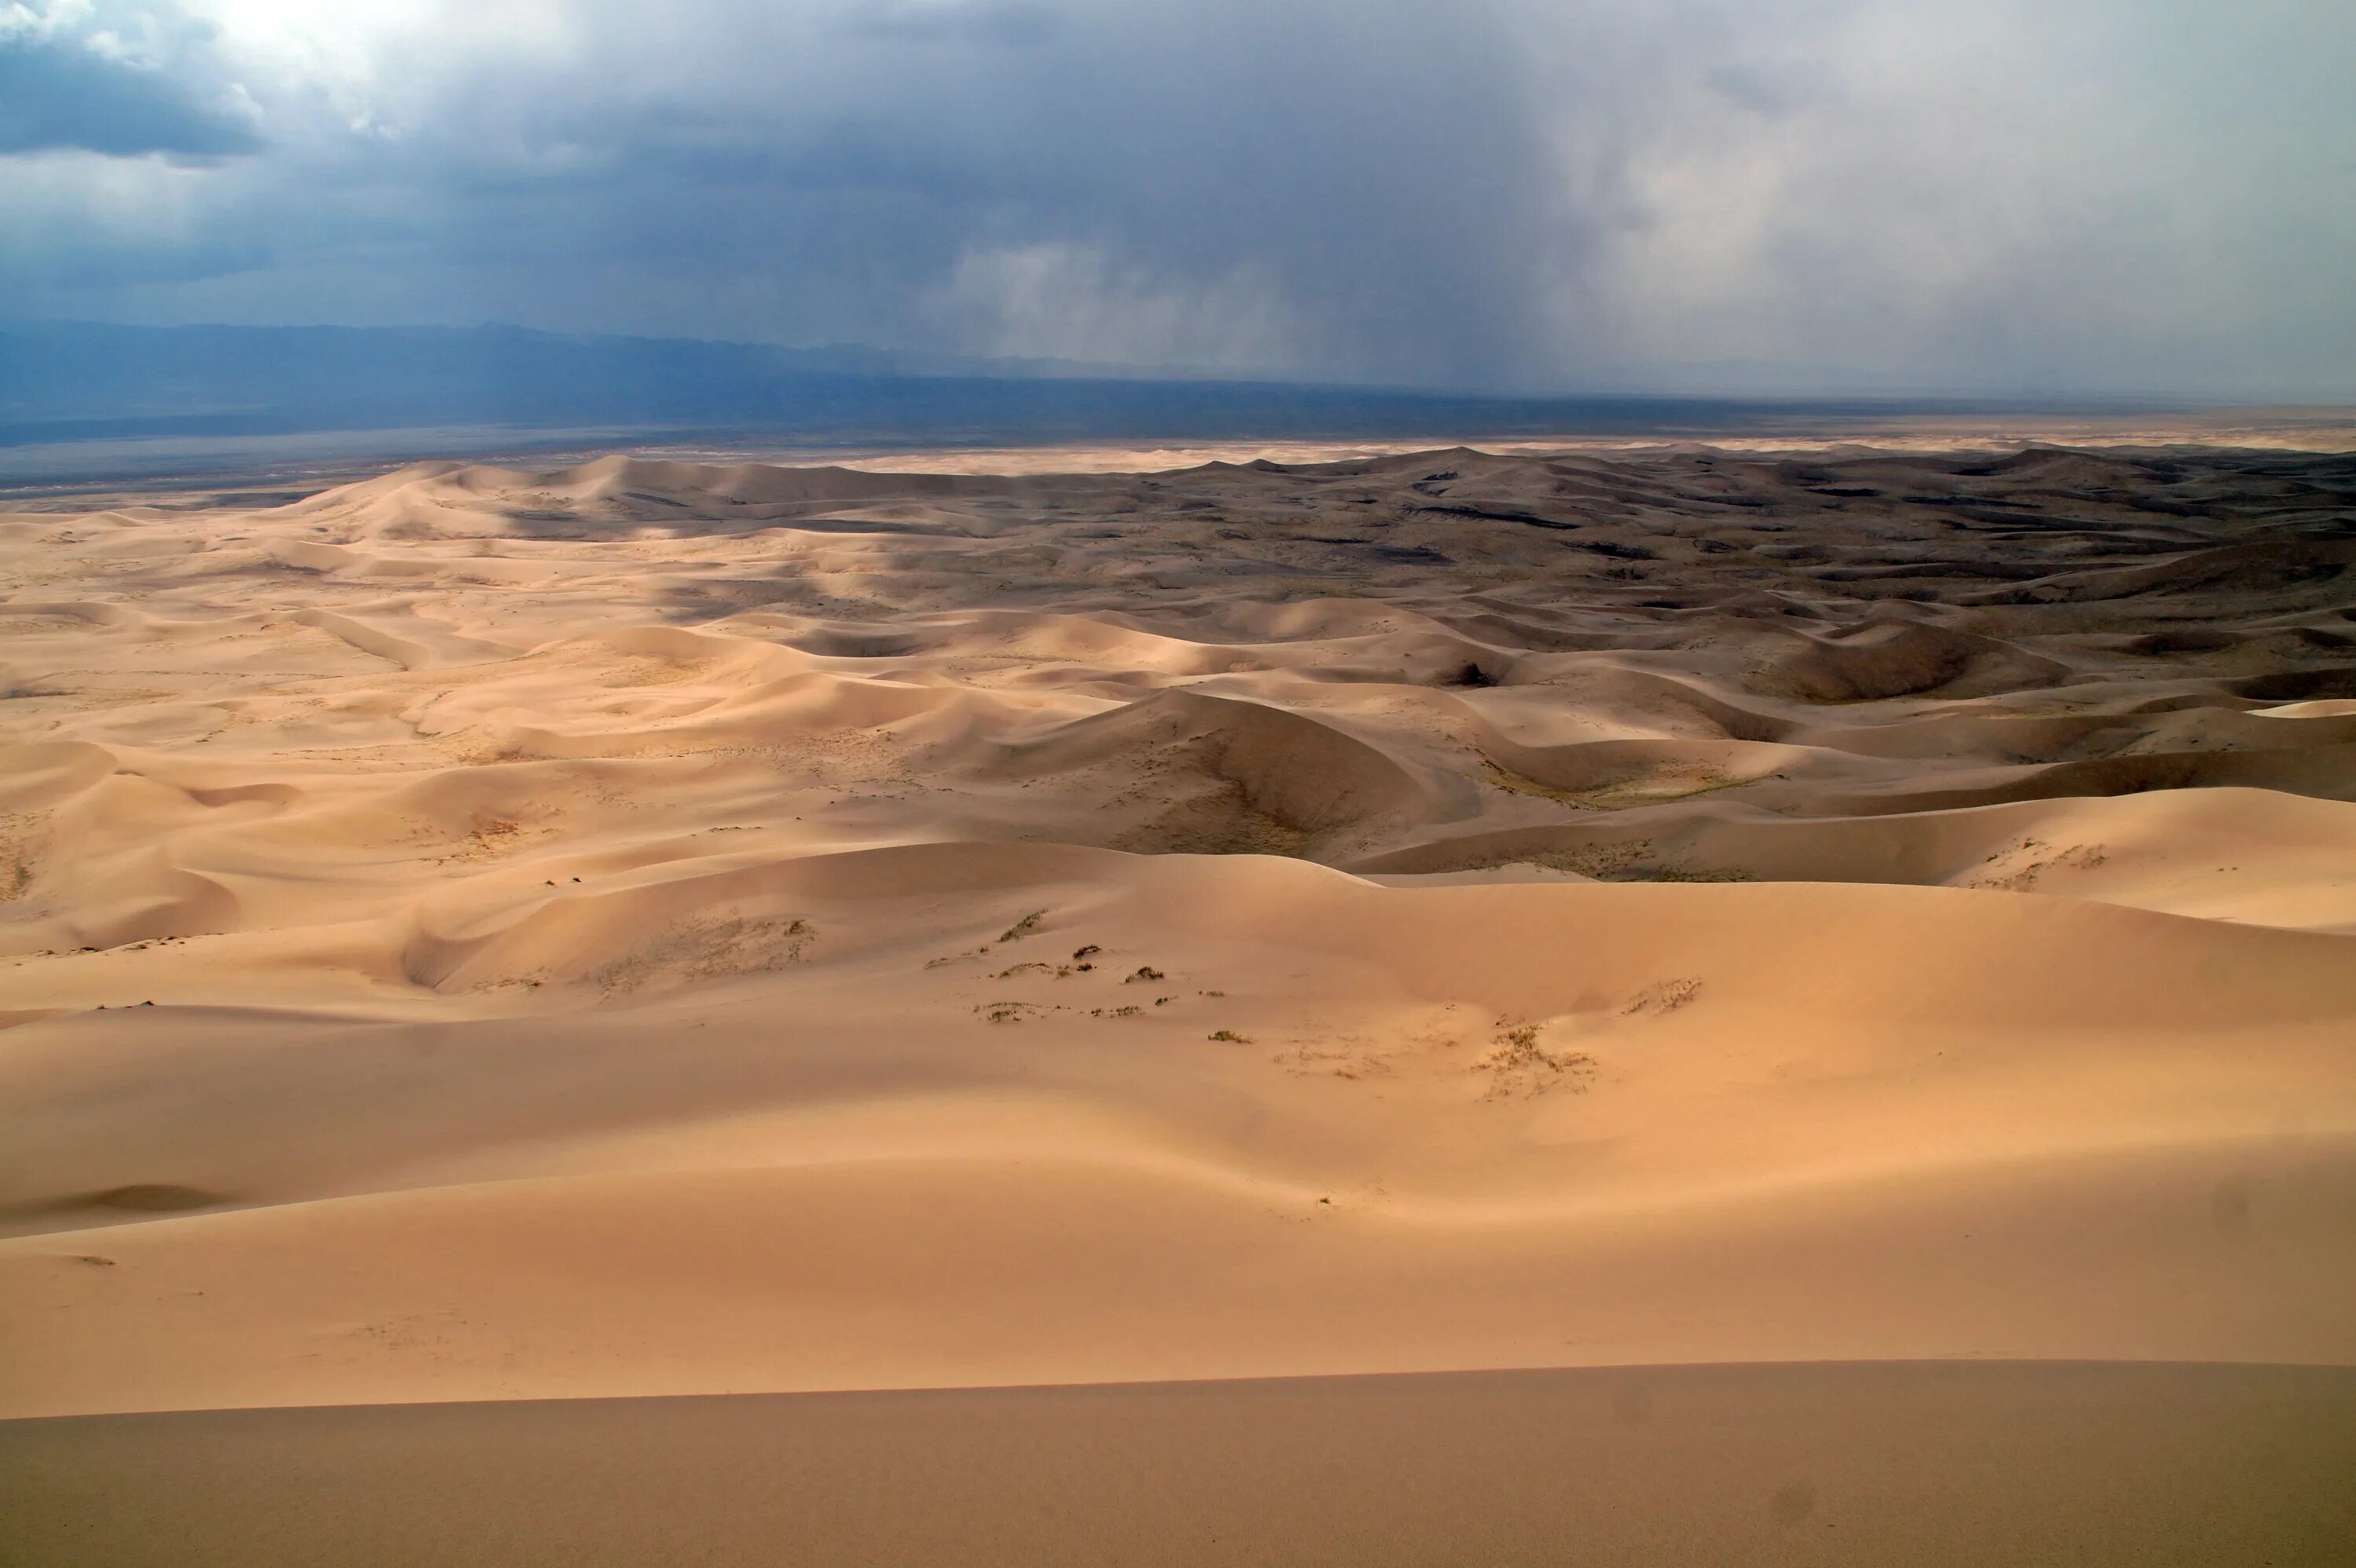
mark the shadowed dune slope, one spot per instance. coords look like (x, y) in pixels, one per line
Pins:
(1944, 1466)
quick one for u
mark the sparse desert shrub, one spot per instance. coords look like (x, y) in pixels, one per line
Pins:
(1521, 1065)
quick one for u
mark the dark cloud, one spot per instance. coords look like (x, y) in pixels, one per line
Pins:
(1320, 185)
(65, 89)
(1976, 194)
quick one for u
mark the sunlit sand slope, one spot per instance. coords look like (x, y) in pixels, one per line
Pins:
(657, 929)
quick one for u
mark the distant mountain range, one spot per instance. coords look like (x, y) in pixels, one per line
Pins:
(70, 381)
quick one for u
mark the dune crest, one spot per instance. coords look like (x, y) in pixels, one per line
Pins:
(651, 927)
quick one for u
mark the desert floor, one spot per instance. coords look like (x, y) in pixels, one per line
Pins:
(660, 929)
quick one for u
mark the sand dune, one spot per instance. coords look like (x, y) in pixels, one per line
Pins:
(1949, 1465)
(652, 928)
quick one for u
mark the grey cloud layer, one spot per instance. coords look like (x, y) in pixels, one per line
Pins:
(69, 82)
(1494, 192)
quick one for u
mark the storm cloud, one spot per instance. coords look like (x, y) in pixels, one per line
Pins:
(67, 81)
(1796, 194)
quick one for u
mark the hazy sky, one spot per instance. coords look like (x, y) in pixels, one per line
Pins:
(1967, 193)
